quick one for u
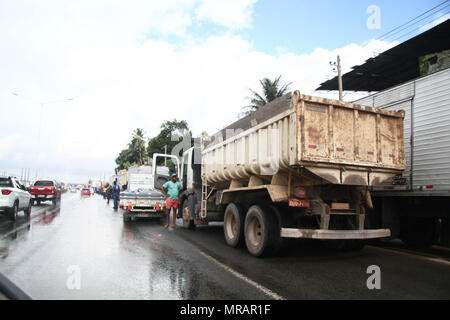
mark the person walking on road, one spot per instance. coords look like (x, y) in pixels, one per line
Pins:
(173, 188)
(116, 194)
(109, 193)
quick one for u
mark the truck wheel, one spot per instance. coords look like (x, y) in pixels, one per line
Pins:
(233, 225)
(186, 210)
(418, 232)
(261, 231)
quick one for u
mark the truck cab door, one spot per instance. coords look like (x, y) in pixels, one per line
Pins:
(191, 169)
(159, 179)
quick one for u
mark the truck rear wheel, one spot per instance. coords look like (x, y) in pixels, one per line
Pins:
(261, 231)
(233, 225)
(186, 210)
(418, 232)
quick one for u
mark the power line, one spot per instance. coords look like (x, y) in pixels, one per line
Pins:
(414, 25)
(415, 30)
(408, 22)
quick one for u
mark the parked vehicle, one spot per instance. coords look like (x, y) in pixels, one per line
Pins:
(14, 197)
(415, 205)
(45, 190)
(143, 197)
(85, 192)
(299, 167)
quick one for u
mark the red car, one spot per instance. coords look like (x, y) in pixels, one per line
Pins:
(45, 190)
(86, 192)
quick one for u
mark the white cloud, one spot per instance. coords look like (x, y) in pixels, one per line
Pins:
(438, 19)
(235, 14)
(97, 52)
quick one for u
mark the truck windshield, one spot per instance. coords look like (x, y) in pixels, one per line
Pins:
(43, 184)
(5, 182)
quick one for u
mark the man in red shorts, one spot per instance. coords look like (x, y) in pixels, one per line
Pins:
(171, 190)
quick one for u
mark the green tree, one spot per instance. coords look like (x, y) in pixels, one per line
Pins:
(271, 89)
(169, 129)
(123, 160)
(137, 146)
(135, 152)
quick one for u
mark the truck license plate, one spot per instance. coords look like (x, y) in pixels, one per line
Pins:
(299, 203)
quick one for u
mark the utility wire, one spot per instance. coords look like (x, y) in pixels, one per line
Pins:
(424, 13)
(414, 25)
(415, 30)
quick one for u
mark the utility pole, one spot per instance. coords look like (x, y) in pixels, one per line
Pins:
(339, 77)
(339, 72)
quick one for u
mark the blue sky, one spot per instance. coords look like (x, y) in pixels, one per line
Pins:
(301, 26)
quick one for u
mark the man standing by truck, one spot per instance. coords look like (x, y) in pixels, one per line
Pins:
(173, 188)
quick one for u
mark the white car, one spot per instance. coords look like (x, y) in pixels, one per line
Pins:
(14, 197)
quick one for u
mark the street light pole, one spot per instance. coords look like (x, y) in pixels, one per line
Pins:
(40, 125)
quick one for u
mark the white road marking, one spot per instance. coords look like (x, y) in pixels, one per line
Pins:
(265, 290)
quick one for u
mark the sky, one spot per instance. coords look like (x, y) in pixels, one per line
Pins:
(89, 72)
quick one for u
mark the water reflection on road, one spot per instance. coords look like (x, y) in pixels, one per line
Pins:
(11, 230)
(169, 275)
(116, 260)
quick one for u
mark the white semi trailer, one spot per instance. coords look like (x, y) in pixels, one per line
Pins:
(416, 205)
(299, 167)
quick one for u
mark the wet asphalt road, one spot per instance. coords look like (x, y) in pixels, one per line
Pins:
(83, 250)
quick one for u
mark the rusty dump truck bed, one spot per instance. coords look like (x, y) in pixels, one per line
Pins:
(338, 142)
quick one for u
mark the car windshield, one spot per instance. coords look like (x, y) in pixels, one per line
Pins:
(293, 128)
(43, 184)
(5, 182)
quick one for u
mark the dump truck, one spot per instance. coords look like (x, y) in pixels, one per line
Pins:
(298, 167)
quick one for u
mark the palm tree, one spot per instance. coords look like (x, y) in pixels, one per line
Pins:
(271, 91)
(137, 145)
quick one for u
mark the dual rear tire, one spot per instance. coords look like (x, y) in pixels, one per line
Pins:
(257, 227)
